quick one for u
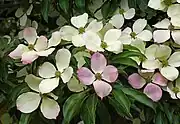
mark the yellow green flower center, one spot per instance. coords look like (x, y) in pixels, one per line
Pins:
(57, 73)
(167, 2)
(104, 45)
(133, 35)
(176, 90)
(121, 11)
(171, 27)
(98, 76)
(81, 30)
(165, 63)
(30, 46)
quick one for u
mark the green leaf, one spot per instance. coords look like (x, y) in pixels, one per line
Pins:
(88, 113)
(6, 119)
(64, 4)
(105, 9)
(45, 5)
(160, 118)
(125, 61)
(25, 118)
(132, 3)
(131, 48)
(80, 4)
(72, 106)
(140, 97)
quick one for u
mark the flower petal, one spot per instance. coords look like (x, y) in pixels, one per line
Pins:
(50, 108)
(129, 14)
(175, 21)
(163, 24)
(55, 39)
(30, 35)
(163, 52)
(85, 76)
(153, 91)
(151, 64)
(115, 47)
(67, 74)
(67, 32)
(110, 73)
(159, 79)
(112, 35)
(28, 102)
(170, 73)
(174, 59)
(156, 4)
(102, 88)
(78, 40)
(17, 53)
(173, 10)
(62, 57)
(80, 21)
(48, 85)
(94, 26)
(47, 70)
(29, 57)
(169, 89)
(125, 39)
(157, 36)
(139, 25)
(98, 62)
(145, 35)
(136, 81)
(41, 44)
(117, 21)
(150, 52)
(176, 36)
(46, 52)
(33, 82)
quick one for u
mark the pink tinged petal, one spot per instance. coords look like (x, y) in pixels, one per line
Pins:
(29, 57)
(98, 62)
(30, 35)
(102, 88)
(159, 79)
(153, 91)
(110, 73)
(17, 53)
(85, 76)
(41, 43)
(161, 36)
(46, 52)
(136, 81)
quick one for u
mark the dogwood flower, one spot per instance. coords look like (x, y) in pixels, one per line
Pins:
(29, 101)
(52, 75)
(157, 4)
(153, 88)
(103, 73)
(37, 46)
(166, 29)
(122, 13)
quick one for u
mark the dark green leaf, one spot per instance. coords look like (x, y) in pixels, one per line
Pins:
(5, 119)
(125, 61)
(25, 118)
(45, 5)
(130, 48)
(132, 3)
(64, 4)
(80, 4)
(105, 9)
(88, 113)
(160, 118)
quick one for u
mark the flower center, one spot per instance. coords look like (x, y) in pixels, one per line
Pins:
(168, 2)
(57, 74)
(30, 46)
(171, 27)
(98, 76)
(104, 45)
(81, 30)
(121, 11)
(133, 35)
(176, 90)
(165, 63)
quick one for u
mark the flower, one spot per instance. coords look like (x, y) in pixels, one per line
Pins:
(37, 46)
(166, 29)
(157, 4)
(29, 101)
(124, 13)
(152, 89)
(52, 75)
(103, 73)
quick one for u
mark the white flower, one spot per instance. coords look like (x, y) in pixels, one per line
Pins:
(157, 4)
(124, 13)
(165, 31)
(29, 101)
(37, 46)
(52, 75)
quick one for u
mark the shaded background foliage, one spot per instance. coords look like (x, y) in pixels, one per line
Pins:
(50, 16)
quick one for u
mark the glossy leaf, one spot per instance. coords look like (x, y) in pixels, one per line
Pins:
(64, 4)
(25, 118)
(125, 61)
(45, 5)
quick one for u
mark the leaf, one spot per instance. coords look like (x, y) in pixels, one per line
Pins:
(160, 118)
(6, 119)
(45, 5)
(136, 121)
(132, 3)
(80, 4)
(140, 97)
(72, 106)
(105, 9)
(130, 48)
(64, 4)
(125, 61)
(88, 113)
(25, 118)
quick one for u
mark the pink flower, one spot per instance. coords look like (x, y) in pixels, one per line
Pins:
(37, 46)
(152, 89)
(103, 73)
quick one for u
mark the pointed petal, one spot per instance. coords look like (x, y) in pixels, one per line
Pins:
(28, 102)
(67, 74)
(62, 57)
(98, 62)
(17, 53)
(30, 35)
(170, 73)
(48, 85)
(139, 25)
(78, 40)
(136, 81)
(157, 36)
(47, 70)
(85, 76)
(29, 57)
(67, 32)
(94, 26)
(163, 52)
(49, 108)
(176, 36)
(80, 21)
(153, 91)
(151, 64)
(110, 73)
(46, 52)
(33, 82)
(159, 79)
(102, 88)
(115, 47)
(129, 14)
(174, 59)
(41, 43)
(55, 39)
(117, 21)
(163, 24)
(145, 35)
(112, 35)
